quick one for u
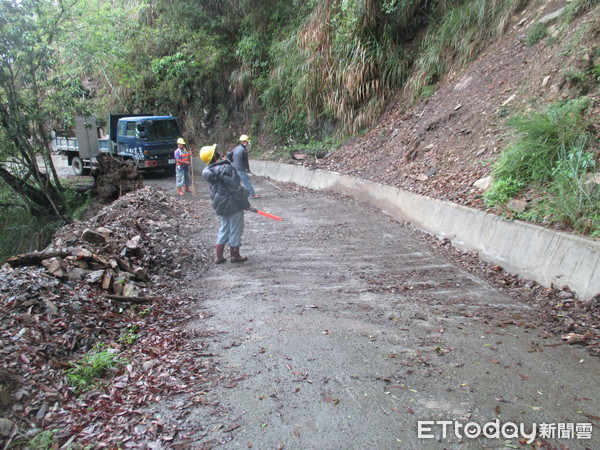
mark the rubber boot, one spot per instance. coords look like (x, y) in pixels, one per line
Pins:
(220, 248)
(235, 255)
(180, 190)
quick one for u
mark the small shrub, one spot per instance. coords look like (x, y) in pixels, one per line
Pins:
(535, 214)
(89, 370)
(574, 200)
(501, 191)
(129, 335)
(540, 138)
(145, 312)
(536, 34)
(576, 206)
(551, 157)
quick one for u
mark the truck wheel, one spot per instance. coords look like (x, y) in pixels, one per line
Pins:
(78, 168)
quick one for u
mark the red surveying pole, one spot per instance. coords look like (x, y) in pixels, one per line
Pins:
(262, 213)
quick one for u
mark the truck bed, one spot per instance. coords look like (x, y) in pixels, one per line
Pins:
(67, 144)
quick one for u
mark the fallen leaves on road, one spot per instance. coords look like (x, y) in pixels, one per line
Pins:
(574, 338)
(54, 314)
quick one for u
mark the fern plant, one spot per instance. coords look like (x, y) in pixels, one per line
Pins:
(87, 373)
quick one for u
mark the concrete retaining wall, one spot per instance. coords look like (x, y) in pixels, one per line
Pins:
(536, 253)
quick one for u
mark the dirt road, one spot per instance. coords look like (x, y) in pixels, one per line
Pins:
(345, 329)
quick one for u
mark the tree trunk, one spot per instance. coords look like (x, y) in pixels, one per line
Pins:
(41, 203)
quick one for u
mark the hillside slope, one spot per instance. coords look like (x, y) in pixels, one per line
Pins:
(443, 145)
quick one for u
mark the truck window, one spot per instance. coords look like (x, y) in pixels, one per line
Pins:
(121, 129)
(130, 128)
(163, 129)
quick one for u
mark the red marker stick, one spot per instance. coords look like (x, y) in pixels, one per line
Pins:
(262, 213)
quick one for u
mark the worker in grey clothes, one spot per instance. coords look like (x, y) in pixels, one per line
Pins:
(239, 159)
(229, 199)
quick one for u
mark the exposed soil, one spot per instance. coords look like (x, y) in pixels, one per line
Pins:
(441, 147)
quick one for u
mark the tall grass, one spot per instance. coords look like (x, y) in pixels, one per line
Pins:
(573, 197)
(542, 139)
(335, 68)
(553, 151)
(459, 33)
(579, 7)
(347, 59)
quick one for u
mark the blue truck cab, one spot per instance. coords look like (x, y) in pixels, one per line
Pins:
(149, 141)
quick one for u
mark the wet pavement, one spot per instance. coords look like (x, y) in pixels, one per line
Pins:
(346, 330)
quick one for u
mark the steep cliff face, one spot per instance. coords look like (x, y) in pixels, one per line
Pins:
(440, 147)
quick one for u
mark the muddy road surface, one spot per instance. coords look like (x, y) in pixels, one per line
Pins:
(346, 329)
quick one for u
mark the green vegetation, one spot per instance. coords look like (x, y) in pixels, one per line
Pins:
(459, 33)
(130, 335)
(502, 190)
(578, 7)
(44, 440)
(300, 71)
(555, 150)
(336, 68)
(144, 312)
(537, 32)
(595, 72)
(87, 373)
(24, 232)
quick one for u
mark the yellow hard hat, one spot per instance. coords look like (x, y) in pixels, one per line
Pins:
(181, 141)
(243, 138)
(207, 153)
